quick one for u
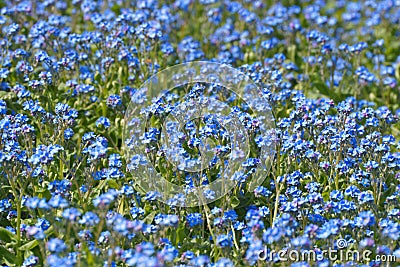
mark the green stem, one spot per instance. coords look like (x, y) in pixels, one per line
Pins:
(207, 210)
(19, 256)
(277, 189)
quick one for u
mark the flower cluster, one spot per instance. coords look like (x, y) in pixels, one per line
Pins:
(71, 196)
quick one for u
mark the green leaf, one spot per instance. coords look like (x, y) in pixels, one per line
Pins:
(6, 95)
(121, 206)
(97, 78)
(29, 246)
(180, 233)
(235, 202)
(292, 52)
(7, 257)
(326, 195)
(149, 218)
(324, 90)
(113, 184)
(6, 235)
(89, 256)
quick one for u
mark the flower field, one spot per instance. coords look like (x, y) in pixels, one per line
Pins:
(200, 133)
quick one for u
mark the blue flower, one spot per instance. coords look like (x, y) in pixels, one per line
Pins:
(89, 219)
(30, 261)
(68, 133)
(103, 121)
(169, 253)
(166, 220)
(113, 101)
(71, 214)
(56, 245)
(364, 219)
(224, 241)
(194, 219)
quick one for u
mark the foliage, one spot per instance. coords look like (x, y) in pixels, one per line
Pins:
(70, 195)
